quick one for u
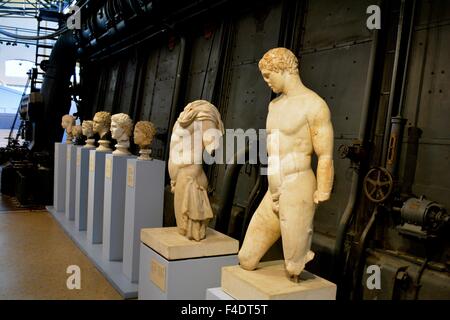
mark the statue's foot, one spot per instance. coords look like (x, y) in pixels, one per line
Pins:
(182, 231)
(294, 278)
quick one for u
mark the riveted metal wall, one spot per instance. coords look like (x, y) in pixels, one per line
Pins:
(111, 85)
(247, 95)
(126, 90)
(427, 103)
(333, 62)
(158, 91)
(203, 69)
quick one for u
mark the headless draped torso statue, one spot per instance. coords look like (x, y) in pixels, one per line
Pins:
(188, 180)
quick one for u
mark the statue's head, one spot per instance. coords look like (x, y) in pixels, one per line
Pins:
(77, 131)
(275, 65)
(144, 131)
(102, 122)
(88, 128)
(67, 122)
(121, 126)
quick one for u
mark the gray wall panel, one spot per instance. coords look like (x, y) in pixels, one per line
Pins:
(128, 85)
(333, 22)
(338, 76)
(204, 62)
(111, 87)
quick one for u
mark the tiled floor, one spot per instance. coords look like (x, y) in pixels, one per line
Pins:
(34, 256)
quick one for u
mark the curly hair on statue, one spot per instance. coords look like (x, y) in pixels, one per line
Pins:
(148, 129)
(124, 121)
(104, 117)
(77, 131)
(279, 60)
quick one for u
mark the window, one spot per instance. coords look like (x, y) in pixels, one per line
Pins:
(18, 68)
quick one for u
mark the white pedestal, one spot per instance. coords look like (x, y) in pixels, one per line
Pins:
(71, 159)
(114, 206)
(96, 193)
(217, 294)
(144, 208)
(81, 188)
(174, 268)
(270, 282)
(59, 177)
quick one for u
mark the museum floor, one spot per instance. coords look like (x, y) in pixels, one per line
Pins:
(34, 255)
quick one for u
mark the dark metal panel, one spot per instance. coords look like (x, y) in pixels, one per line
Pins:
(204, 63)
(149, 83)
(329, 212)
(111, 87)
(332, 22)
(248, 95)
(248, 99)
(434, 284)
(432, 174)
(162, 103)
(256, 33)
(427, 102)
(339, 77)
(128, 85)
(427, 94)
(163, 92)
(435, 11)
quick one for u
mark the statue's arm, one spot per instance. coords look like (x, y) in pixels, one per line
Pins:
(323, 139)
(210, 136)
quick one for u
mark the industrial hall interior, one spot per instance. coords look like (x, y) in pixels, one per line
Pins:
(225, 150)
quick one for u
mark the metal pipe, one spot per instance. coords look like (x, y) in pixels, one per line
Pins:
(362, 244)
(387, 127)
(408, 52)
(254, 199)
(347, 215)
(228, 190)
(412, 151)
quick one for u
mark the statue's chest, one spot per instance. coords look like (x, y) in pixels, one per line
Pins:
(179, 133)
(288, 118)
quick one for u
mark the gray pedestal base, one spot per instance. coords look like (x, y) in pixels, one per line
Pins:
(161, 279)
(114, 206)
(95, 196)
(144, 206)
(59, 178)
(81, 188)
(71, 159)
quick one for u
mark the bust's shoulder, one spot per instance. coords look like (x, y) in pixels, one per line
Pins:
(317, 106)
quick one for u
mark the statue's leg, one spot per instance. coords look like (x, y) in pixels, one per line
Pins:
(197, 230)
(180, 218)
(296, 220)
(262, 232)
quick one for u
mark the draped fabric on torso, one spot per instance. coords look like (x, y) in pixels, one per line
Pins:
(195, 204)
(200, 110)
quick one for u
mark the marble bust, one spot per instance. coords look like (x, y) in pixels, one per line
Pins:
(144, 132)
(67, 123)
(88, 131)
(121, 128)
(188, 180)
(101, 125)
(77, 133)
(298, 124)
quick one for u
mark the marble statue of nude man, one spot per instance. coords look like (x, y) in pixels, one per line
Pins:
(190, 137)
(298, 124)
